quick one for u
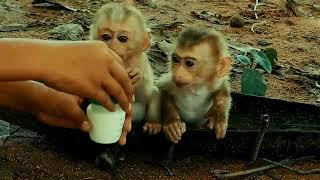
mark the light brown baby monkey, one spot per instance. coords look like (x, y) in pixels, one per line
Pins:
(122, 27)
(197, 91)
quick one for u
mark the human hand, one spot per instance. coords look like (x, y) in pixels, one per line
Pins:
(59, 109)
(89, 69)
(126, 126)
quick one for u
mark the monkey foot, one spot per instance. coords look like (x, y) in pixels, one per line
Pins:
(152, 128)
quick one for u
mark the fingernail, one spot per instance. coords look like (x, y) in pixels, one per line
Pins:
(133, 98)
(85, 126)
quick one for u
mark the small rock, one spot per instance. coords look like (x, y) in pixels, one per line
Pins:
(301, 49)
(152, 4)
(264, 42)
(4, 131)
(290, 23)
(316, 7)
(262, 71)
(13, 27)
(162, 11)
(71, 32)
(237, 22)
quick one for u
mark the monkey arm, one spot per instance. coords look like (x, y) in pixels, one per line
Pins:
(168, 108)
(154, 106)
(218, 113)
(173, 127)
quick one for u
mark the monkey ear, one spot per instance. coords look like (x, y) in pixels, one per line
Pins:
(146, 41)
(224, 66)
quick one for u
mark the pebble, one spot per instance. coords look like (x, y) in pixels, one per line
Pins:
(264, 42)
(237, 22)
(71, 32)
(316, 7)
(152, 4)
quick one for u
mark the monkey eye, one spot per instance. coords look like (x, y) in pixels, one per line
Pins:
(190, 63)
(123, 38)
(106, 37)
(175, 59)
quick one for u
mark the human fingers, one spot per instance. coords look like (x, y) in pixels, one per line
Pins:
(113, 88)
(120, 75)
(56, 122)
(104, 99)
(126, 126)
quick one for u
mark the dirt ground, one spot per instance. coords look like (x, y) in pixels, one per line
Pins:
(296, 39)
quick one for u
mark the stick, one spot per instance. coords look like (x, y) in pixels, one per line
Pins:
(255, 9)
(256, 24)
(266, 121)
(263, 168)
(298, 171)
(169, 172)
(251, 171)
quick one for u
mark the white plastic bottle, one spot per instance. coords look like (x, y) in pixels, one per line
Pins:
(105, 126)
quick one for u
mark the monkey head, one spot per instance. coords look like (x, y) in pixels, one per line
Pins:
(198, 59)
(122, 28)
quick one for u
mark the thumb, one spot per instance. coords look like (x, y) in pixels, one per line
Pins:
(78, 116)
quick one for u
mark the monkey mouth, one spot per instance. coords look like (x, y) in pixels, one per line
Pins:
(182, 85)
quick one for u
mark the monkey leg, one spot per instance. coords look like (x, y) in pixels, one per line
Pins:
(138, 114)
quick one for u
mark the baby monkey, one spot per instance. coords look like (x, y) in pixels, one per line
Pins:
(197, 91)
(122, 27)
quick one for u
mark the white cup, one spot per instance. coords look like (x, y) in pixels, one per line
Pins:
(105, 126)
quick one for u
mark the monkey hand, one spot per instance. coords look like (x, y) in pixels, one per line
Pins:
(219, 123)
(174, 130)
(135, 76)
(152, 127)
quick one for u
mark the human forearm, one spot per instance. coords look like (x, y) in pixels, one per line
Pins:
(24, 59)
(19, 95)
(88, 69)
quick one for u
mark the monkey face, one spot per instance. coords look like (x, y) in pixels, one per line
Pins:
(193, 66)
(123, 38)
(117, 41)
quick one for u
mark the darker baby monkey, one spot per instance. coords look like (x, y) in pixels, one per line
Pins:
(197, 91)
